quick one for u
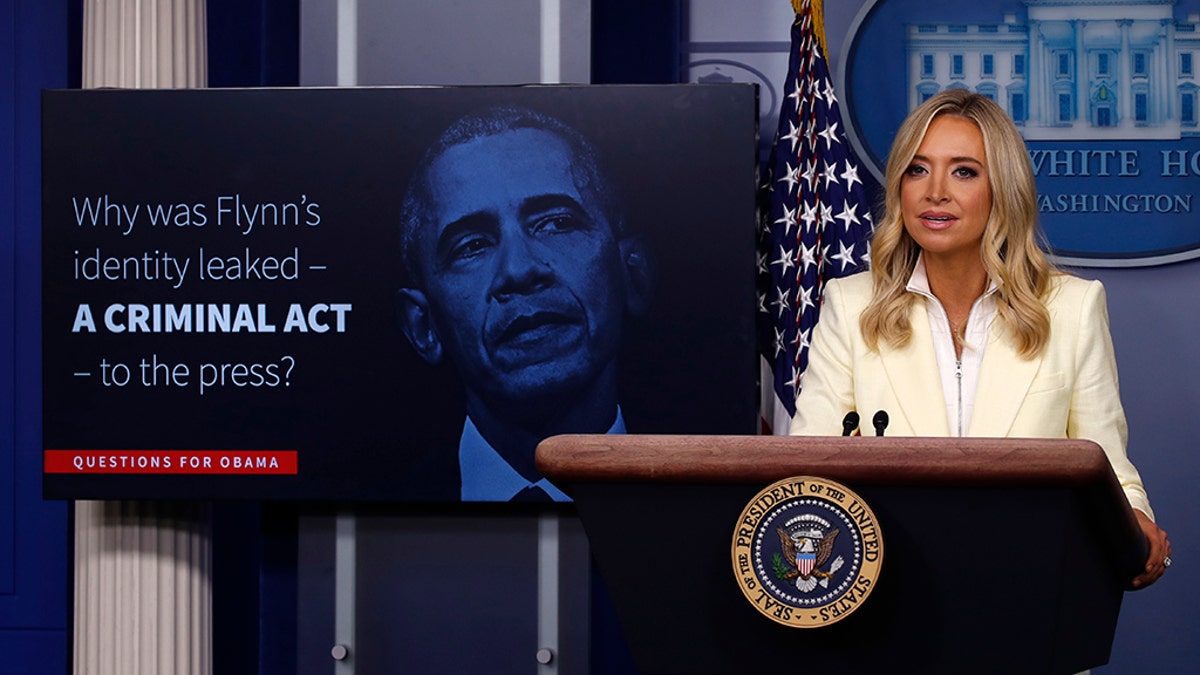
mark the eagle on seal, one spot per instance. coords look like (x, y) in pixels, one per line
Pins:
(807, 556)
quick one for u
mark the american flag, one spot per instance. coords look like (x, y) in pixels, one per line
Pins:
(815, 224)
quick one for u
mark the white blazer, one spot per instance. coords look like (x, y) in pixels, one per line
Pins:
(1069, 391)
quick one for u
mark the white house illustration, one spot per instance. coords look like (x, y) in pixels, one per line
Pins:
(1085, 70)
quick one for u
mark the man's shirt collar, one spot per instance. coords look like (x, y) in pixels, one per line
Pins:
(488, 477)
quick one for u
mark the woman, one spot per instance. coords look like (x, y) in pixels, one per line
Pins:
(960, 299)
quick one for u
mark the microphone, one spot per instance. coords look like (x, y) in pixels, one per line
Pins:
(849, 423)
(880, 421)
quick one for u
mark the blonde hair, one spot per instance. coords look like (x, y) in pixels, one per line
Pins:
(1011, 255)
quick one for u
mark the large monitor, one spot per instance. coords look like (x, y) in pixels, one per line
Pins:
(378, 293)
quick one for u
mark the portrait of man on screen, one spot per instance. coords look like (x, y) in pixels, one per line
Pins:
(522, 272)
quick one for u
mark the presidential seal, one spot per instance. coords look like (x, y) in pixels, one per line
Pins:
(807, 552)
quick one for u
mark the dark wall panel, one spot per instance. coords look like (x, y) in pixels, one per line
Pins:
(33, 533)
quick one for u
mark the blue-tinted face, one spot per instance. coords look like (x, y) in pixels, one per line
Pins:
(521, 270)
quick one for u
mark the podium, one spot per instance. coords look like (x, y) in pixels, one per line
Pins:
(1000, 555)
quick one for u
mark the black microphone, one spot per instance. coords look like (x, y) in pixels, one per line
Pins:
(880, 421)
(849, 423)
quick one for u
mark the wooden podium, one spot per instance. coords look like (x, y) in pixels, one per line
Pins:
(1000, 555)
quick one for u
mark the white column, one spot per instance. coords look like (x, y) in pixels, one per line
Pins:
(144, 44)
(143, 595)
(1125, 93)
(347, 43)
(1167, 87)
(1082, 102)
(1154, 102)
(1035, 76)
(143, 598)
(549, 550)
(551, 20)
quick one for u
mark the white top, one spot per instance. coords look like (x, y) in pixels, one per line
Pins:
(959, 393)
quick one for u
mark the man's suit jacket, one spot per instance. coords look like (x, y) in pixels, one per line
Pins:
(1069, 391)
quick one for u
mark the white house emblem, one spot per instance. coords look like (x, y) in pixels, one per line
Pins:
(1106, 94)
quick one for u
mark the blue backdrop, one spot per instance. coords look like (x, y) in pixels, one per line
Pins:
(1153, 316)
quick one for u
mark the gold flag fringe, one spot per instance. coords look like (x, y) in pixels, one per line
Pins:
(818, 19)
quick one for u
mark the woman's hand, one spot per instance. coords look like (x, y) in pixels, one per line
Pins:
(1160, 551)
